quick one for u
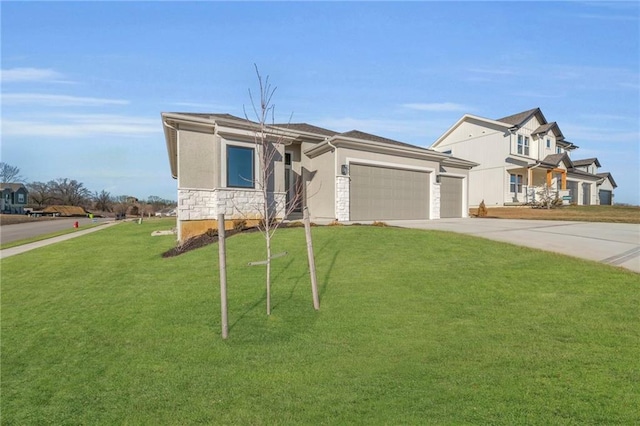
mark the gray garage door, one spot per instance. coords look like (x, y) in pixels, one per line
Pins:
(586, 194)
(605, 197)
(450, 196)
(381, 193)
(572, 186)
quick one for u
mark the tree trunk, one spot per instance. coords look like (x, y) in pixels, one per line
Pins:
(268, 236)
(312, 262)
(222, 256)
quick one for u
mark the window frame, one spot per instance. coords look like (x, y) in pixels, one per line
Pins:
(523, 145)
(515, 182)
(250, 180)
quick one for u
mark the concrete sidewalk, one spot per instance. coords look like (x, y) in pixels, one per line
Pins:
(27, 247)
(611, 243)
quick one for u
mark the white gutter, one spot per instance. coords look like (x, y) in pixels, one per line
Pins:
(335, 174)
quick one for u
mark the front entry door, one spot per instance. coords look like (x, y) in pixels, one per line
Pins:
(290, 184)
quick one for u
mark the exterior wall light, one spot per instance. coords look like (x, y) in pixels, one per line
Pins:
(344, 169)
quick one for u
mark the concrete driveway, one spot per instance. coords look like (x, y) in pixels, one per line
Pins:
(611, 243)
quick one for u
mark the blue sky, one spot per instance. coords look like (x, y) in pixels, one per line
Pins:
(83, 84)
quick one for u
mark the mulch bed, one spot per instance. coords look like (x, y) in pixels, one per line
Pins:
(211, 237)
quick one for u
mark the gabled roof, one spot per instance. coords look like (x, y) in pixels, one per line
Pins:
(11, 186)
(522, 117)
(307, 128)
(555, 159)
(586, 162)
(357, 134)
(607, 175)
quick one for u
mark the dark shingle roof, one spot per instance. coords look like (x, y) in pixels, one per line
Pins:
(519, 118)
(12, 186)
(607, 175)
(544, 128)
(553, 159)
(586, 162)
(308, 128)
(357, 134)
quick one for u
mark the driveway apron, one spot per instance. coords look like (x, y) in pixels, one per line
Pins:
(611, 243)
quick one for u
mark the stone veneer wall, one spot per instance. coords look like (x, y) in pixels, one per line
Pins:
(342, 198)
(435, 197)
(201, 204)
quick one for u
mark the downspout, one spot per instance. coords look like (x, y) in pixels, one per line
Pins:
(335, 177)
(178, 220)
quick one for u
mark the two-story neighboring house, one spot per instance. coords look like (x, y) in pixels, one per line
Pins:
(14, 198)
(520, 157)
(605, 183)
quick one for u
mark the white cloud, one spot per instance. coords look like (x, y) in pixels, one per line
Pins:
(82, 125)
(14, 75)
(57, 100)
(437, 107)
(532, 94)
(577, 133)
(495, 71)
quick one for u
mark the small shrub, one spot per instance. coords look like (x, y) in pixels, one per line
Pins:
(335, 223)
(356, 224)
(239, 224)
(376, 223)
(482, 210)
(296, 224)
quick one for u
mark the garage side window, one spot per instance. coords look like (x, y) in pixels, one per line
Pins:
(516, 183)
(240, 167)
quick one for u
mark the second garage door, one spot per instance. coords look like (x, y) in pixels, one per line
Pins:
(381, 193)
(450, 196)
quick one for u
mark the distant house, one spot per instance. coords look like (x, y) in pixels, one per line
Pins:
(519, 157)
(65, 211)
(14, 198)
(352, 176)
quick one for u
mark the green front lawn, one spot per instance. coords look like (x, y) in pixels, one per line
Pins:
(415, 327)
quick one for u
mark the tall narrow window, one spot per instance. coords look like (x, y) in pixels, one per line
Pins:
(526, 145)
(240, 166)
(520, 145)
(548, 143)
(515, 184)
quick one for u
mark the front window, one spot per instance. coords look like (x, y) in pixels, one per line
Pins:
(523, 145)
(240, 166)
(21, 198)
(558, 150)
(515, 183)
(548, 143)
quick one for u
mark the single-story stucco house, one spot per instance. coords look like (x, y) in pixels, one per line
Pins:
(348, 177)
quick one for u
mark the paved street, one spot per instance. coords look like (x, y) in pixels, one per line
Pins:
(21, 231)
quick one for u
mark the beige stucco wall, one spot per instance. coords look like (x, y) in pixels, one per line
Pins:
(196, 159)
(320, 185)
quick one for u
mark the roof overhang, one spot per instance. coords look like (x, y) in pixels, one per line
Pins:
(225, 126)
(382, 148)
(470, 117)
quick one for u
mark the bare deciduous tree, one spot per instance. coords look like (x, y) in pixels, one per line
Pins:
(10, 174)
(40, 193)
(70, 192)
(103, 201)
(269, 142)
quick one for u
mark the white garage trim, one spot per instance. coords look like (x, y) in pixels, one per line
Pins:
(465, 191)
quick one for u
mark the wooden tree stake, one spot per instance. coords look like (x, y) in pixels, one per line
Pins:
(222, 256)
(312, 262)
